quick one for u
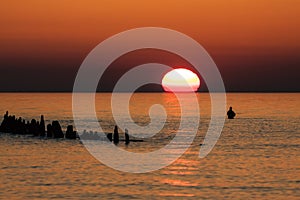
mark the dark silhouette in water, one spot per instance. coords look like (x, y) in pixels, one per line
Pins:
(49, 131)
(126, 137)
(34, 127)
(116, 135)
(6, 123)
(11, 124)
(109, 136)
(58, 133)
(42, 126)
(230, 113)
(70, 134)
(89, 135)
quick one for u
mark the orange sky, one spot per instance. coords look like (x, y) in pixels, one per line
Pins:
(53, 30)
(211, 22)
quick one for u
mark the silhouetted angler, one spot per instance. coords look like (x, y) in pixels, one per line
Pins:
(126, 136)
(230, 113)
(116, 135)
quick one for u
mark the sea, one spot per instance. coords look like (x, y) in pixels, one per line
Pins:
(257, 155)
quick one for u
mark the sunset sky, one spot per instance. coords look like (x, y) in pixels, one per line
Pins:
(255, 43)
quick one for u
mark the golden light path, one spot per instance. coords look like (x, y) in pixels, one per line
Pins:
(180, 80)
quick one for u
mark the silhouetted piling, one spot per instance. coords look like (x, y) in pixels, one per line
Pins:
(126, 137)
(49, 131)
(42, 126)
(89, 135)
(116, 135)
(70, 134)
(109, 136)
(57, 132)
(34, 129)
(11, 124)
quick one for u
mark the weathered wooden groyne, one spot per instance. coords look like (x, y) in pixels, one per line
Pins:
(14, 125)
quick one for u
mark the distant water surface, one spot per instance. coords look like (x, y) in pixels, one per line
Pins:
(256, 157)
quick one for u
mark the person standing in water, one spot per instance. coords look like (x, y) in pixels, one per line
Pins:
(230, 113)
(116, 135)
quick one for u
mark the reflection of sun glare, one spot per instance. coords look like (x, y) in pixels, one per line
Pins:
(180, 80)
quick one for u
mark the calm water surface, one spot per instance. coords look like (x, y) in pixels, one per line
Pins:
(256, 157)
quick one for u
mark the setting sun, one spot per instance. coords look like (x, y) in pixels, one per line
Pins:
(180, 80)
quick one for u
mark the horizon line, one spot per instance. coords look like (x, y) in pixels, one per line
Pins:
(67, 91)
